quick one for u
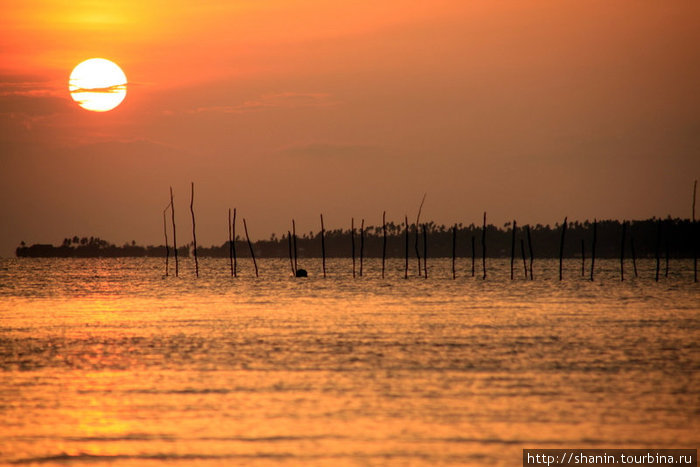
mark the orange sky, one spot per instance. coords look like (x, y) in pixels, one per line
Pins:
(529, 110)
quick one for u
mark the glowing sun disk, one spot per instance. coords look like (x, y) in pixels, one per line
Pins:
(97, 84)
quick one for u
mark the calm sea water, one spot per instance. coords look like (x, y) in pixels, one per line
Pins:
(108, 362)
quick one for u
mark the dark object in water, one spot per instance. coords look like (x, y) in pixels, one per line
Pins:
(302, 273)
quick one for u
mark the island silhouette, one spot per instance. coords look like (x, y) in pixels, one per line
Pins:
(671, 237)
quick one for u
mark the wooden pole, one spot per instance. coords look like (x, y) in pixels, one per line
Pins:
(323, 247)
(667, 236)
(595, 239)
(352, 238)
(583, 258)
(194, 234)
(294, 241)
(420, 271)
(291, 259)
(473, 255)
(529, 246)
(384, 242)
(483, 246)
(512, 250)
(230, 241)
(522, 252)
(666, 248)
(454, 251)
(250, 245)
(658, 248)
(695, 251)
(233, 234)
(167, 247)
(425, 252)
(405, 270)
(420, 208)
(634, 254)
(561, 250)
(694, 236)
(362, 244)
(622, 251)
(172, 213)
(695, 191)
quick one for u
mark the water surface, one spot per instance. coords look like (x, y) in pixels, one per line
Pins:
(107, 361)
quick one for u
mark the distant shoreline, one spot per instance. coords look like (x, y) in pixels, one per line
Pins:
(674, 238)
(112, 251)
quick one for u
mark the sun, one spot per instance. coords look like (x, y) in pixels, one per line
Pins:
(97, 85)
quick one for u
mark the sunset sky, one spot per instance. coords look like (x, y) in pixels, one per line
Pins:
(290, 108)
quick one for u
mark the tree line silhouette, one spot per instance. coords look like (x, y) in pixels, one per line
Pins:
(673, 237)
(92, 247)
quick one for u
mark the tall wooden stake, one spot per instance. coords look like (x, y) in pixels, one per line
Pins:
(384, 242)
(583, 258)
(658, 248)
(420, 208)
(666, 248)
(473, 255)
(323, 246)
(522, 252)
(194, 234)
(622, 251)
(634, 254)
(512, 250)
(233, 248)
(483, 246)
(250, 245)
(352, 238)
(405, 270)
(561, 250)
(529, 246)
(362, 244)
(695, 191)
(294, 241)
(230, 241)
(172, 213)
(167, 247)
(425, 252)
(291, 260)
(695, 252)
(694, 230)
(420, 270)
(454, 251)
(595, 239)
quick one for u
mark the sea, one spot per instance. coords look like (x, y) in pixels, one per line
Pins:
(111, 362)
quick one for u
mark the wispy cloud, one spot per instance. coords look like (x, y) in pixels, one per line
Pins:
(116, 88)
(29, 101)
(283, 100)
(32, 104)
(23, 86)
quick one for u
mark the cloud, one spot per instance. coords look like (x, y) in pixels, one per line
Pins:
(27, 97)
(28, 85)
(108, 89)
(32, 105)
(283, 100)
